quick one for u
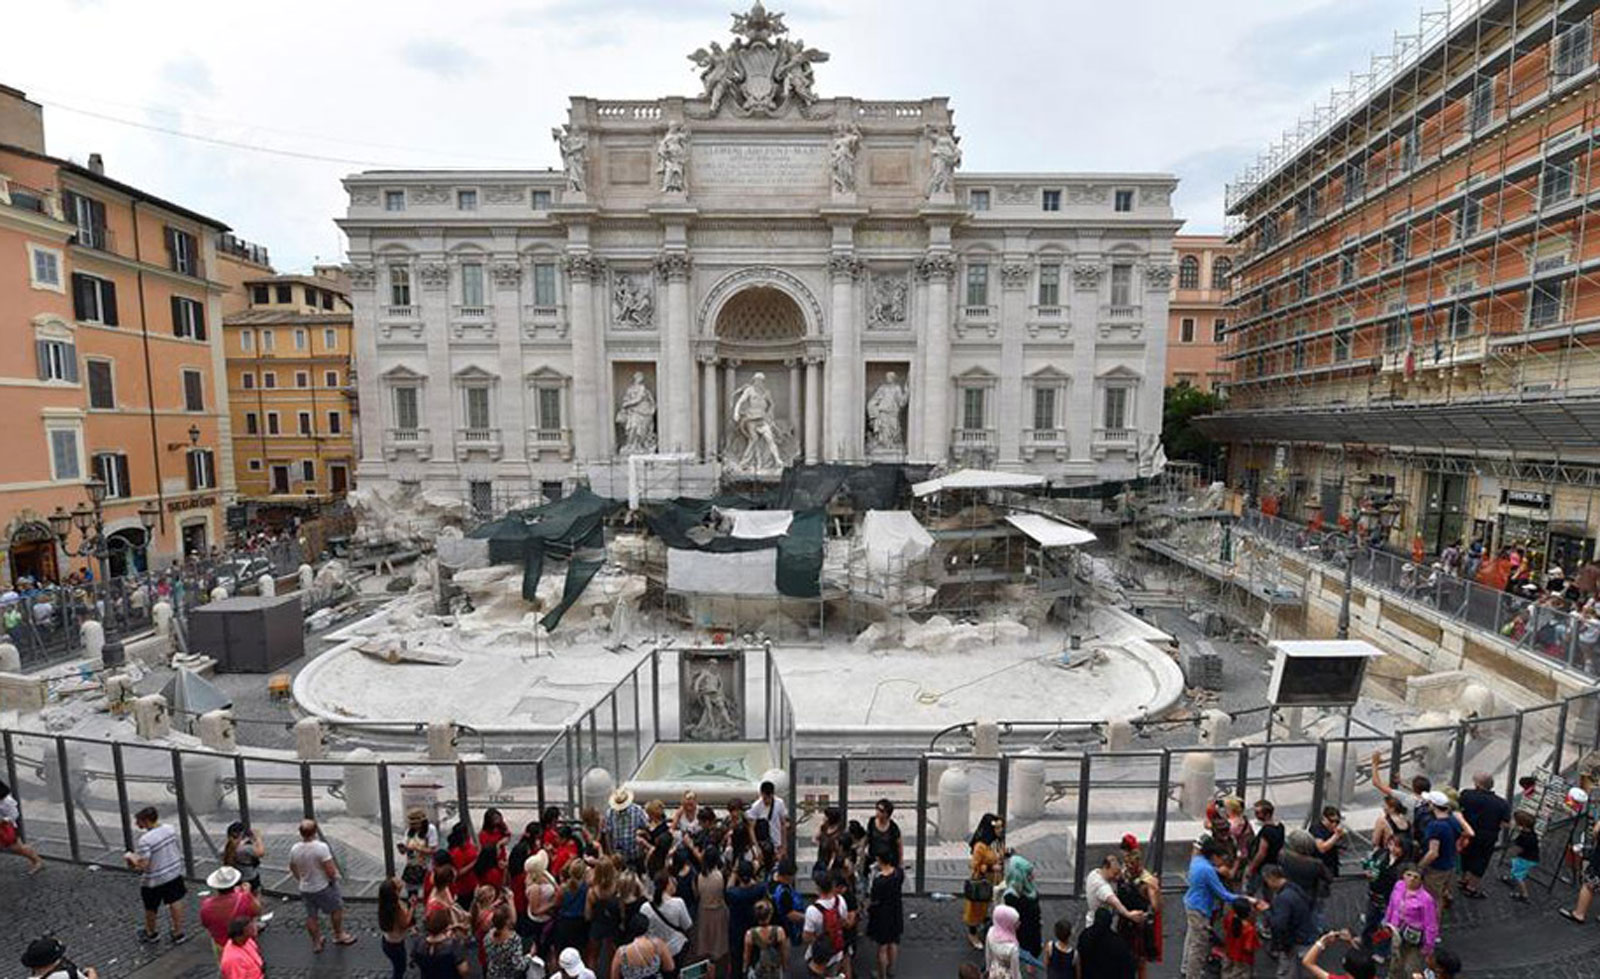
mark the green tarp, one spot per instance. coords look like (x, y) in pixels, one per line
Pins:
(571, 529)
(799, 570)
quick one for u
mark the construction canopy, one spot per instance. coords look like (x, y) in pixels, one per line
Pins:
(1049, 532)
(976, 479)
(893, 538)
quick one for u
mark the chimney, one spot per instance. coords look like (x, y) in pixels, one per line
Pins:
(97, 164)
(21, 120)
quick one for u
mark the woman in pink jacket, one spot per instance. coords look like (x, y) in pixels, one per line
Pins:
(1414, 920)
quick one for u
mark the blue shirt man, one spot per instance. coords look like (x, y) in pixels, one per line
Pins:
(1200, 900)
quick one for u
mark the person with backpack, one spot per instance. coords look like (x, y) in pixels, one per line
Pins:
(766, 946)
(788, 908)
(1002, 956)
(827, 919)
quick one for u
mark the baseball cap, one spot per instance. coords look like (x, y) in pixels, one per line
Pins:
(1436, 799)
(42, 952)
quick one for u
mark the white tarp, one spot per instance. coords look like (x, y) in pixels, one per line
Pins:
(973, 479)
(893, 539)
(729, 573)
(758, 524)
(1049, 532)
(462, 552)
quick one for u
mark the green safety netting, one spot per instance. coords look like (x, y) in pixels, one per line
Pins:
(571, 529)
(799, 561)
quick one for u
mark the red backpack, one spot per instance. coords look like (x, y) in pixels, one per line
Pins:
(832, 935)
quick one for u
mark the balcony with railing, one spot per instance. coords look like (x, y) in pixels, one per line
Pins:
(470, 323)
(540, 320)
(1107, 440)
(100, 239)
(228, 244)
(550, 440)
(1047, 319)
(413, 440)
(471, 440)
(25, 198)
(1436, 356)
(1050, 441)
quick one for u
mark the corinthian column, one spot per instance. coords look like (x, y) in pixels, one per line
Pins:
(711, 410)
(813, 410)
(937, 268)
(1012, 414)
(844, 421)
(677, 430)
(582, 269)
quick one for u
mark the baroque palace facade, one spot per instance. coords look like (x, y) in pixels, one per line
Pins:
(750, 278)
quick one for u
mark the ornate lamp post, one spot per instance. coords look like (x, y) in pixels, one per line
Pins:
(89, 519)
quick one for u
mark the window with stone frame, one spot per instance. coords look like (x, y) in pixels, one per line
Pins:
(399, 285)
(1189, 272)
(544, 284)
(407, 407)
(1121, 284)
(977, 284)
(1050, 284)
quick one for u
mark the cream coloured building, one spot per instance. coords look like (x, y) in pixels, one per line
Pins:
(519, 329)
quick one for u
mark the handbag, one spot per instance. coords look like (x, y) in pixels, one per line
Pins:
(978, 891)
(8, 834)
(1410, 935)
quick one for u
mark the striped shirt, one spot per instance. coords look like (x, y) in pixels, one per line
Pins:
(164, 853)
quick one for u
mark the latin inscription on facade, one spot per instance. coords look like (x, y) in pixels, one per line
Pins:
(792, 166)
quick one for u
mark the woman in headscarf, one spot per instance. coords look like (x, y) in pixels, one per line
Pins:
(1022, 894)
(1138, 890)
(984, 872)
(1002, 956)
(1102, 954)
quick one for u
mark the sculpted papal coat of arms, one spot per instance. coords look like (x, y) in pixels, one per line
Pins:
(761, 73)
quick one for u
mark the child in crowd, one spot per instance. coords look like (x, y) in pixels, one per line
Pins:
(1059, 954)
(1524, 854)
(1240, 940)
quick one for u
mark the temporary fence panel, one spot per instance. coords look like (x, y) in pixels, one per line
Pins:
(1046, 806)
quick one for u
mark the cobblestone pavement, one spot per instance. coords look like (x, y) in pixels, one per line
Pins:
(97, 913)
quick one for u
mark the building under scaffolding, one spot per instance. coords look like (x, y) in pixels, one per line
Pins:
(1415, 302)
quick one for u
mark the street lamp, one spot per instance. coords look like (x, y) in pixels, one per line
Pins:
(1368, 519)
(89, 518)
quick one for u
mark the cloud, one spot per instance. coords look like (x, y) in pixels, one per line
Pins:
(446, 59)
(1203, 176)
(189, 73)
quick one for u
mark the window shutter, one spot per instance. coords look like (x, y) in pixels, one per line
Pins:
(69, 205)
(108, 301)
(97, 213)
(123, 484)
(177, 316)
(199, 321)
(193, 460)
(42, 350)
(71, 358)
(171, 239)
(80, 297)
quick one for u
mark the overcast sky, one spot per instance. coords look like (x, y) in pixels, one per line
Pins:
(1197, 89)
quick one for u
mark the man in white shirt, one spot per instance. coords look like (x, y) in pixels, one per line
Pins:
(825, 945)
(158, 856)
(311, 864)
(771, 810)
(1100, 888)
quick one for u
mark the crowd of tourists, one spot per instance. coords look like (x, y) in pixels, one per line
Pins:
(637, 891)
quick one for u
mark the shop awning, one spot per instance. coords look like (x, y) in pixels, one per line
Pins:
(1049, 532)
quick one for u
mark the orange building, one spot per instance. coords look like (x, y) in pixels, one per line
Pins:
(111, 371)
(1197, 316)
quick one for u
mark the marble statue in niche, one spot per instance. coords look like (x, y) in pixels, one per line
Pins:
(636, 416)
(884, 408)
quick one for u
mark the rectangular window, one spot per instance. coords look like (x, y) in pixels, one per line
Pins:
(1051, 200)
(338, 477)
(90, 217)
(330, 338)
(194, 397)
(94, 300)
(302, 379)
(1184, 380)
(252, 423)
(1122, 285)
(399, 285)
(1399, 242)
(549, 408)
(58, 360)
(1124, 201)
(184, 250)
(1572, 50)
(1395, 334)
(480, 493)
(111, 468)
(1341, 346)
(1355, 180)
(1044, 408)
(1555, 183)
(300, 339)
(269, 341)
(335, 423)
(280, 479)
(466, 200)
(972, 415)
(1299, 355)
(394, 200)
(1049, 285)
(260, 295)
(330, 379)
(542, 200)
(1116, 408)
(471, 284)
(405, 408)
(1544, 304)
(1186, 330)
(1460, 320)
(303, 422)
(326, 300)
(308, 470)
(273, 426)
(284, 292)
(977, 284)
(978, 199)
(247, 341)
(102, 390)
(477, 407)
(255, 465)
(1410, 149)
(1219, 329)
(202, 469)
(1482, 102)
(188, 319)
(44, 269)
(269, 379)
(64, 459)
(1347, 267)
(1470, 218)
(247, 381)
(311, 296)
(544, 284)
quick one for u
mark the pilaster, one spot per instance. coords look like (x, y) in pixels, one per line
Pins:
(432, 278)
(582, 270)
(1011, 413)
(937, 268)
(677, 434)
(844, 422)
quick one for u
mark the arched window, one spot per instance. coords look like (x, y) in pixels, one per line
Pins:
(1189, 273)
(1220, 270)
